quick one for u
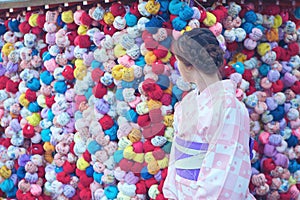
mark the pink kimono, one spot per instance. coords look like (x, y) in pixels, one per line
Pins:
(210, 152)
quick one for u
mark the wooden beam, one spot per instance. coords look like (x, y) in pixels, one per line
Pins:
(29, 3)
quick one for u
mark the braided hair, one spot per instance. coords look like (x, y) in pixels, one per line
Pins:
(199, 48)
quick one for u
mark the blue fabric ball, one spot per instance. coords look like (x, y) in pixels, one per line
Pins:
(256, 165)
(34, 107)
(247, 26)
(21, 172)
(93, 147)
(89, 171)
(58, 169)
(119, 94)
(46, 135)
(163, 82)
(12, 193)
(118, 156)
(153, 25)
(186, 13)
(278, 113)
(34, 52)
(111, 192)
(131, 19)
(60, 87)
(112, 132)
(2, 29)
(88, 93)
(78, 115)
(50, 115)
(177, 93)
(7, 185)
(178, 24)
(126, 84)
(140, 61)
(264, 69)
(95, 64)
(33, 84)
(164, 5)
(165, 16)
(250, 16)
(13, 25)
(46, 56)
(239, 67)
(173, 101)
(145, 174)
(98, 177)
(293, 166)
(59, 21)
(46, 77)
(175, 6)
(260, 27)
(167, 42)
(292, 141)
(131, 116)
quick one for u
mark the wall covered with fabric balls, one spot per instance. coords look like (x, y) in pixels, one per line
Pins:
(87, 97)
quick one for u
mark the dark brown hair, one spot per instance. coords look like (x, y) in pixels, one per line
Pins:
(199, 48)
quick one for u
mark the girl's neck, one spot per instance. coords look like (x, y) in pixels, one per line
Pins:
(205, 80)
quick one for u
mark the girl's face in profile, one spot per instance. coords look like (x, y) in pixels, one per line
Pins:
(185, 71)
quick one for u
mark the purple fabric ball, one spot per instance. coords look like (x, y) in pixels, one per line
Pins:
(15, 125)
(273, 75)
(288, 79)
(271, 103)
(31, 178)
(23, 159)
(275, 139)
(2, 70)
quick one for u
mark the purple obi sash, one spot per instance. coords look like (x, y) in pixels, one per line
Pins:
(190, 174)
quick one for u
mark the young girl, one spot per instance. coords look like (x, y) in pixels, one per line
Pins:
(210, 152)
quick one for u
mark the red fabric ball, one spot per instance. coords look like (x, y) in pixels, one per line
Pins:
(268, 165)
(134, 9)
(277, 86)
(37, 149)
(172, 17)
(269, 178)
(85, 180)
(87, 156)
(41, 171)
(68, 72)
(293, 49)
(28, 131)
(68, 167)
(146, 35)
(143, 120)
(150, 182)
(5, 142)
(24, 27)
(137, 167)
(12, 86)
(117, 9)
(72, 147)
(109, 30)
(37, 30)
(172, 61)
(85, 19)
(160, 197)
(285, 56)
(226, 71)
(158, 153)
(97, 74)
(158, 67)
(30, 95)
(85, 194)
(126, 165)
(247, 75)
(150, 44)
(220, 14)
(50, 101)
(232, 46)
(41, 19)
(168, 25)
(248, 53)
(3, 81)
(141, 187)
(83, 41)
(106, 122)
(251, 90)
(99, 90)
(71, 36)
(166, 99)
(203, 13)
(63, 177)
(148, 146)
(285, 196)
(156, 94)
(149, 85)
(164, 173)
(271, 10)
(278, 50)
(160, 185)
(72, 26)
(160, 52)
(79, 172)
(296, 87)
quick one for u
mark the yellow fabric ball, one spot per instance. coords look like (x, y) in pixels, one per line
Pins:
(82, 30)
(150, 58)
(263, 48)
(33, 20)
(5, 172)
(116, 72)
(128, 74)
(82, 164)
(108, 18)
(34, 119)
(139, 157)
(80, 72)
(119, 51)
(128, 153)
(277, 21)
(23, 101)
(153, 104)
(7, 48)
(210, 19)
(168, 120)
(67, 17)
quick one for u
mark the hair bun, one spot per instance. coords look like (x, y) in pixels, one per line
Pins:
(216, 53)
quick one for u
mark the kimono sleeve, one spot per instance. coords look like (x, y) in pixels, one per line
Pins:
(226, 168)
